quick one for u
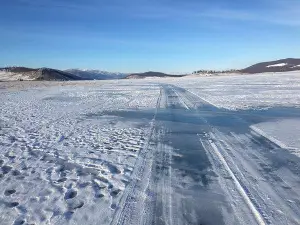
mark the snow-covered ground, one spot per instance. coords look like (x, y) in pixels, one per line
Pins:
(242, 92)
(284, 132)
(59, 152)
(211, 150)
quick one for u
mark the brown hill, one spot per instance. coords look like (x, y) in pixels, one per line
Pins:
(24, 73)
(282, 65)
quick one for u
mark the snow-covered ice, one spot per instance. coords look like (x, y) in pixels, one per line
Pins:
(285, 132)
(195, 150)
(247, 91)
(255, 92)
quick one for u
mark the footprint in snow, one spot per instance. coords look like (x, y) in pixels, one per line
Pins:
(19, 222)
(6, 169)
(61, 180)
(9, 192)
(70, 194)
(113, 206)
(16, 172)
(74, 204)
(12, 204)
(115, 192)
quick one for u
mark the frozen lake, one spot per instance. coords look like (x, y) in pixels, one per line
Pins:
(210, 150)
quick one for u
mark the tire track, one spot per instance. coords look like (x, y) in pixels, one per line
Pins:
(132, 202)
(254, 208)
(242, 190)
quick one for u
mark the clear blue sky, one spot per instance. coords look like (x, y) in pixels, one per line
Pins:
(141, 35)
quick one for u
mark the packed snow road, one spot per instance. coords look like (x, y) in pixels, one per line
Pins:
(141, 152)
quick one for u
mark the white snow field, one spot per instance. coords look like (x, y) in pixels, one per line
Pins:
(207, 150)
(247, 91)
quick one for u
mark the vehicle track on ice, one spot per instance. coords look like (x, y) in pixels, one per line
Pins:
(132, 203)
(170, 178)
(254, 164)
(205, 165)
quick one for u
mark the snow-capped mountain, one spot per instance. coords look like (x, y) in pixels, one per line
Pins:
(282, 65)
(96, 74)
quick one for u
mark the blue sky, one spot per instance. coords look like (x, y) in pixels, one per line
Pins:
(142, 35)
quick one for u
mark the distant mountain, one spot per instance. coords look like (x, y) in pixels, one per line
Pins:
(24, 73)
(150, 74)
(282, 65)
(96, 74)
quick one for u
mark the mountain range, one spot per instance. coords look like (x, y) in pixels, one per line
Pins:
(150, 74)
(96, 74)
(24, 73)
